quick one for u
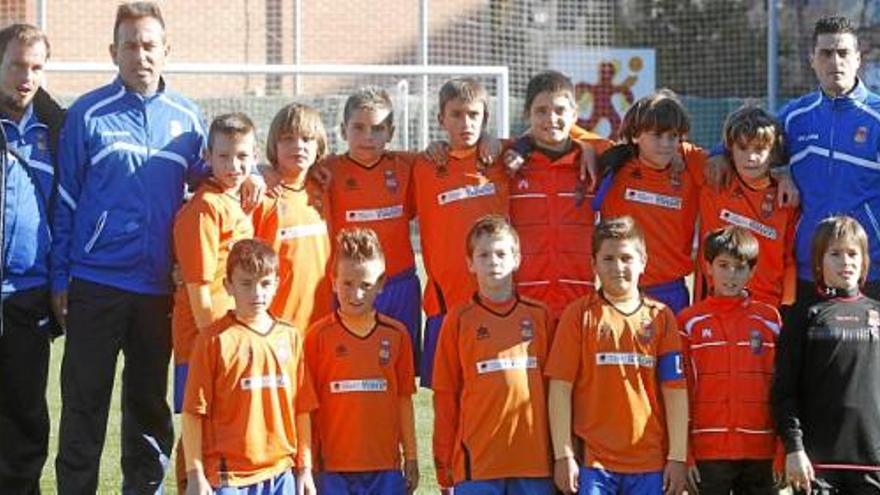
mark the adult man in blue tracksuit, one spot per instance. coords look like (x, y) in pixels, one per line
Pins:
(833, 138)
(28, 119)
(126, 152)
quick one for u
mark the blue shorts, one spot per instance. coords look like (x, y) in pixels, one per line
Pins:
(429, 348)
(180, 372)
(401, 299)
(361, 483)
(593, 481)
(283, 484)
(673, 294)
(506, 486)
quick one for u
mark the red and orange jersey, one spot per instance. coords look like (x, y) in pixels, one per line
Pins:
(617, 364)
(248, 387)
(729, 348)
(756, 210)
(379, 197)
(551, 210)
(204, 231)
(298, 232)
(664, 204)
(449, 200)
(490, 360)
(359, 382)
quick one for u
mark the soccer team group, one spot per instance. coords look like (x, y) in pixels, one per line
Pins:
(564, 349)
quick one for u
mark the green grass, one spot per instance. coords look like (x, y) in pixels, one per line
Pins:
(110, 479)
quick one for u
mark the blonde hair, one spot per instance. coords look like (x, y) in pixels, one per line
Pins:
(491, 226)
(753, 125)
(468, 90)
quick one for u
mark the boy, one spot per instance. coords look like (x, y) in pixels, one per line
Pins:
(204, 231)
(489, 368)
(615, 352)
(362, 367)
(449, 199)
(248, 397)
(550, 205)
(371, 188)
(729, 346)
(753, 140)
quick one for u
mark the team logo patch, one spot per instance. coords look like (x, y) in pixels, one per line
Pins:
(482, 332)
(391, 182)
(646, 334)
(675, 179)
(42, 141)
(605, 331)
(384, 352)
(767, 203)
(523, 184)
(873, 319)
(756, 342)
(341, 351)
(527, 329)
(282, 349)
(706, 333)
(861, 135)
(351, 184)
(175, 128)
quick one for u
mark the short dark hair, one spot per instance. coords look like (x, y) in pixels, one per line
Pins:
(550, 81)
(230, 124)
(622, 228)
(132, 11)
(368, 98)
(493, 226)
(736, 242)
(835, 24)
(750, 125)
(252, 256)
(24, 33)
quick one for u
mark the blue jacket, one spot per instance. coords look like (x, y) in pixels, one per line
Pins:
(833, 146)
(29, 185)
(123, 163)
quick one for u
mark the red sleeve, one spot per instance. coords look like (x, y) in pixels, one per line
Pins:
(447, 385)
(689, 376)
(199, 393)
(197, 242)
(695, 159)
(406, 376)
(565, 354)
(305, 398)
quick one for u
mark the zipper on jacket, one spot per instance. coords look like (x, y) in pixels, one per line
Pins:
(828, 165)
(873, 219)
(99, 227)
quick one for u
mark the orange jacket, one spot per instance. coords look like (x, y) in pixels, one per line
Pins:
(729, 346)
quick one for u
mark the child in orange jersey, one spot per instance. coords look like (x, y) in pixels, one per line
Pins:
(753, 139)
(248, 397)
(204, 231)
(729, 347)
(490, 415)
(450, 198)
(643, 181)
(371, 188)
(362, 367)
(616, 380)
(289, 222)
(550, 205)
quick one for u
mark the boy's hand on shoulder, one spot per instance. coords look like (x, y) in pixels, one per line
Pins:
(305, 482)
(787, 194)
(197, 484)
(252, 190)
(437, 153)
(411, 475)
(675, 477)
(488, 148)
(565, 474)
(718, 171)
(693, 480)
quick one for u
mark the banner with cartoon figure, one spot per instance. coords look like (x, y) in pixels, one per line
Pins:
(607, 81)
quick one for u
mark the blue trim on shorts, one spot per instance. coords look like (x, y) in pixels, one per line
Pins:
(180, 373)
(283, 484)
(361, 483)
(595, 481)
(506, 486)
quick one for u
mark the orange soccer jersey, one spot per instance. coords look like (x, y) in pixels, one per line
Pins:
(450, 199)
(552, 212)
(489, 364)
(664, 204)
(359, 382)
(248, 388)
(379, 197)
(756, 210)
(204, 231)
(616, 363)
(298, 233)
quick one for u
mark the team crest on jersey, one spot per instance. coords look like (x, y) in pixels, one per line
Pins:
(384, 352)
(737, 192)
(391, 182)
(522, 184)
(706, 333)
(756, 342)
(351, 183)
(646, 334)
(175, 128)
(861, 135)
(675, 178)
(767, 203)
(605, 331)
(483, 332)
(282, 349)
(873, 319)
(341, 351)
(42, 141)
(527, 329)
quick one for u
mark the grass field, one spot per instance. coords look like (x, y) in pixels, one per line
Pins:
(111, 475)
